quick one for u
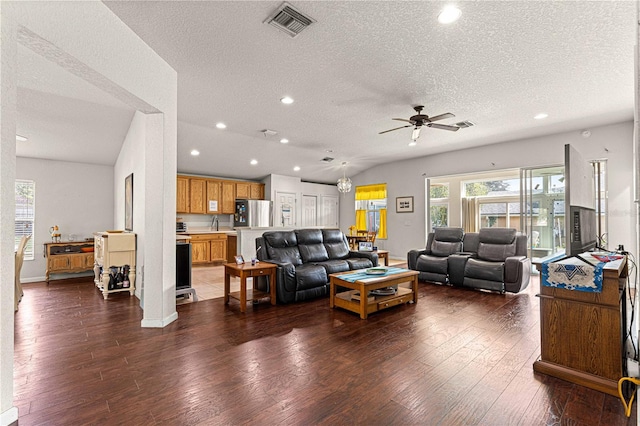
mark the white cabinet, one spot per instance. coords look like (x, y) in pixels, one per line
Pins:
(114, 250)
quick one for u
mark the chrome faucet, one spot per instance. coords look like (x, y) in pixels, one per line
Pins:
(214, 222)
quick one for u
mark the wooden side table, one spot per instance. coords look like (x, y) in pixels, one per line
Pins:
(383, 254)
(244, 271)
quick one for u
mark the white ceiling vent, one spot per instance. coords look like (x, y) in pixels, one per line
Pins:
(267, 132)
(327, 159)
(464, 124)
(286, 18)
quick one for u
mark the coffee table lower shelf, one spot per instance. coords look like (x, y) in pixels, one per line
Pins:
(345, 300)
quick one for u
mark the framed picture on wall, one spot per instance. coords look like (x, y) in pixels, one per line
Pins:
(128, 203)
(404, 204)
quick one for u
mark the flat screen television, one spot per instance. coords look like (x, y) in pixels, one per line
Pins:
(583, 232)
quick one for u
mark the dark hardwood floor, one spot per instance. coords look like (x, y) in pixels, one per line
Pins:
(457, 357)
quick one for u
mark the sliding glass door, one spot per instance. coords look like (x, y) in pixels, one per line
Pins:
(542, 210)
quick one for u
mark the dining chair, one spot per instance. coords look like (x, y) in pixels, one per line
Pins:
(19, 260)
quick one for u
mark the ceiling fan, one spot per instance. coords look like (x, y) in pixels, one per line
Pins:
(419, 120)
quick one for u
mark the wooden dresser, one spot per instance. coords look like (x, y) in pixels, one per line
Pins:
(582, 333)
(68, 256)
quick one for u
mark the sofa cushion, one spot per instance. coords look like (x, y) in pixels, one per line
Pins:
(310, 276)
(496, 244)
(489, 271)
(359, 263)
(497, 235)
(311, 245)
(282, 247)
(445, 248)
(335, 265)
(435, 264)
(335, 243)
(451, 235)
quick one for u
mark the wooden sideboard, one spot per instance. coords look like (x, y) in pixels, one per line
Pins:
(582, 333)
(68, 257)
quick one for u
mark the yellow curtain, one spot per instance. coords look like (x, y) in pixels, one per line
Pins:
(371, 192)
(361, 219)
(382, 232)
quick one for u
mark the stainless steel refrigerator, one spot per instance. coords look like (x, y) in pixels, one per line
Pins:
(253, 213)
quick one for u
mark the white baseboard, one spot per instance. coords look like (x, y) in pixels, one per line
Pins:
(8, 417)
(159, 323)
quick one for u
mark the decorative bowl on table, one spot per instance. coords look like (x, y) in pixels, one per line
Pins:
(375, 271)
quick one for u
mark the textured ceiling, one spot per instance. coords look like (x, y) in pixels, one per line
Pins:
(360, 65)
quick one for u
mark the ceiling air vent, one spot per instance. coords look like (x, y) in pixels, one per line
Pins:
(464, 124)
(286, 18)
(327, 159)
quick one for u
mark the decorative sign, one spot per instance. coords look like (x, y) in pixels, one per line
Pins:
(213, 205)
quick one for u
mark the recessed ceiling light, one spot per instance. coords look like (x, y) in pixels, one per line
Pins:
(195, 152)
(254, 162)
(296, 169)
(20, 138)
(449, 15)
(286, 100)
(283, 140)
(221, 125)
(541, 116)
(413, 143)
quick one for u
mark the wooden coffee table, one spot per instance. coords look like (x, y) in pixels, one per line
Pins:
(363, 286)
(244, 271)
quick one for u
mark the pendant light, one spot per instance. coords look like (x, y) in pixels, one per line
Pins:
(344, 183)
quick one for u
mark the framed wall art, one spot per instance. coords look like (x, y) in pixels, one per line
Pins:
(128, 203)
(404, 204)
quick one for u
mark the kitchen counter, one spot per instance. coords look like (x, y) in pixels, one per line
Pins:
(207, 231)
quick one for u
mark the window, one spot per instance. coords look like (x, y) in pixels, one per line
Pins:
(25, 214)
(439, 204)
(371, 208)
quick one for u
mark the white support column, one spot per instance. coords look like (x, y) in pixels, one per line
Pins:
(8, 115)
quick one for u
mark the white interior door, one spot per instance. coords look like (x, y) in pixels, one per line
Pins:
(309, 210)
(285, 209)
(329, 211)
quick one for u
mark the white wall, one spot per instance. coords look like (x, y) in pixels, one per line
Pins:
(74, 196)
(407, 230)
(130, 160)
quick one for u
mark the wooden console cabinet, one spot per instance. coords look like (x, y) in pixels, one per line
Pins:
(66, 257)
(114, 249)
(582, 333)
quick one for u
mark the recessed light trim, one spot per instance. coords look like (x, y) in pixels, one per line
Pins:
(254, 162)
(296, 168)
(195, 152)
(221, 125)
(449, 14)
(284, 140)
(21, 138)
(286, 100)
(541, 116)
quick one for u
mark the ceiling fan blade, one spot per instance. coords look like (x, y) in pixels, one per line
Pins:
(441, 116)
(444, 127)
(397, 128)
(404, 119)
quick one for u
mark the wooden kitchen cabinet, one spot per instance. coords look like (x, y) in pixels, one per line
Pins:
(228, 189)
(213, 197)
(197, 196)
(182, 195)
(207, 248)
(257, 191)
(243, 190)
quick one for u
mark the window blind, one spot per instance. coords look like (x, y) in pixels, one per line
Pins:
(25, 214)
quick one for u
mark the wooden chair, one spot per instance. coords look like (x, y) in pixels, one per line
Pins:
(19, 260)
(371, 236)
